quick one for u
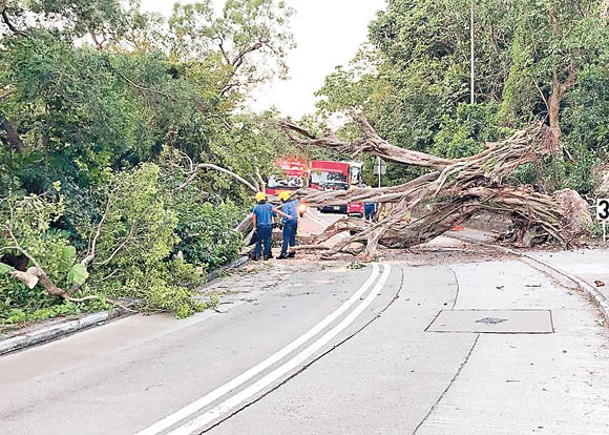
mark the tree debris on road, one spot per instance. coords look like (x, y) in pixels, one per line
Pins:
(454, 191)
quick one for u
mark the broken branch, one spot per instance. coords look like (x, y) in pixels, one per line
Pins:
(454, 191)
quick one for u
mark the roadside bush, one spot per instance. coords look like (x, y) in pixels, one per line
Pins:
(137, 234)
(131, 234)
(123, 244)
(25, 225)
(206, 233)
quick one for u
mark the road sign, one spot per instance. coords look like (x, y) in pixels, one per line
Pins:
(602, 214)
(602, 209)
(380, 167)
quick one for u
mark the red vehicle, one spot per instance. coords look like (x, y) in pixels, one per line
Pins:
(323, 171)
(328, 175)
(356, 209)
(292, 175)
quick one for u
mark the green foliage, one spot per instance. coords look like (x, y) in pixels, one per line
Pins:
(206, 233)
(95, 91)
(6, 269)
(354, 265)
(243, 27)
(165, 289)
(78, 274)
(466, 133)
(78, 17)
(17, 317)
(136, 220)
(412, 82)
(136, 237)
(28, 218)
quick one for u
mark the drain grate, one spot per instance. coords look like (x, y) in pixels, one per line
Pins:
(493, 321)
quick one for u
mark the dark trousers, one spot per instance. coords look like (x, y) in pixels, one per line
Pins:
(289, 235)
(264, 237)
(369, 211)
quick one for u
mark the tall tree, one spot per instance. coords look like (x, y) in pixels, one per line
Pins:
(544, 60)
(249, 39)
(554, 41)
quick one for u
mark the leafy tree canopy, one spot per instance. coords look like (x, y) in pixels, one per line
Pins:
(535, 61)
(94, 95)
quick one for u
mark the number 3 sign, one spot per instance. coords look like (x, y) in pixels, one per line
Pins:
(602, 209)
(602, 214)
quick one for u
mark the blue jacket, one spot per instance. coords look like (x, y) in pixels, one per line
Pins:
(264, 214)
(291, 209)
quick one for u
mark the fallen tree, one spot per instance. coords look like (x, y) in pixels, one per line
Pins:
(453, 192)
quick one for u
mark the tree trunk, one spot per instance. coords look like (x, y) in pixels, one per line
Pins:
(12, 137)
(558, 91)
(554, 109)
(454, 192)
(35, 275)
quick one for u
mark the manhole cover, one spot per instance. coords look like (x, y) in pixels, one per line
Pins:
(491, 320)
(494, 321)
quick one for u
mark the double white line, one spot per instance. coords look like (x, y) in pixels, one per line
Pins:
(236, 399)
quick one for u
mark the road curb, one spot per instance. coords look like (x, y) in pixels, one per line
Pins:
(64, 329)
(215, 274)
(595, 295)
(54, 332)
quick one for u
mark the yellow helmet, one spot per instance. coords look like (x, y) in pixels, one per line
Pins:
(284, 195)
(260, 196)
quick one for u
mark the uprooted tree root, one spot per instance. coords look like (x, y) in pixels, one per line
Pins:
(454, 192)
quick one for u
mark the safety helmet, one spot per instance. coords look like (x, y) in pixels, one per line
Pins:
(284, 195)
(260, 196)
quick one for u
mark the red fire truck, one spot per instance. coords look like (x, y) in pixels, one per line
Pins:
(335, 176)
(293, 174)
(324, 171)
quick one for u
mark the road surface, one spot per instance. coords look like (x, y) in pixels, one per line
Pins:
(491, 347)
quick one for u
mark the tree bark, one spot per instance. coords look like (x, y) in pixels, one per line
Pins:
(558, 92)
(35, 275)
(455, 191)
(12, 137)
(554, 107)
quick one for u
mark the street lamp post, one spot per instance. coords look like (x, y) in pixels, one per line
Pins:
(472, 98)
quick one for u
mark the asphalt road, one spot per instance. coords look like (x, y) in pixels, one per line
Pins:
(332, 350)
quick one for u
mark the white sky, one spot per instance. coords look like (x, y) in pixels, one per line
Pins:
(327, 32)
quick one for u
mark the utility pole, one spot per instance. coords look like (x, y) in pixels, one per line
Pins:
(472, 98)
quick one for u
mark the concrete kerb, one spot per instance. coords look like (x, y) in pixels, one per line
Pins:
(595, 295)
(53, 332)
(63, 329)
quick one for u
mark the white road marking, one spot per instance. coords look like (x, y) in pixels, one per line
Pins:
(235, 400)
(199, 404)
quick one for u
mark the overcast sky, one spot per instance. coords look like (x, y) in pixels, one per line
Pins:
(328, 33)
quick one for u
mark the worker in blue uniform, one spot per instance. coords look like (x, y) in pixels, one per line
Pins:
(262, 218)
(370, 209)
(290, 225)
